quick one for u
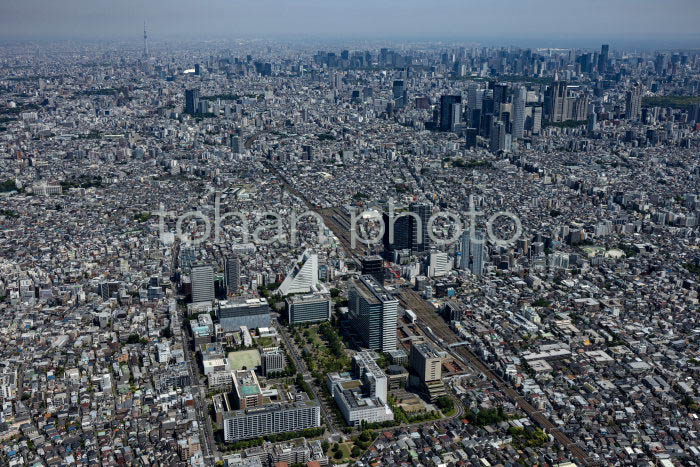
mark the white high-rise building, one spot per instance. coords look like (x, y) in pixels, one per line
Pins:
(473, 252)
(519, 102)
(475, 97)
(202, 283)
(303, 278)
(233, 274)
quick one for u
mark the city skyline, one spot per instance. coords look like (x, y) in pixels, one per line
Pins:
(543, 23)
(258, 234)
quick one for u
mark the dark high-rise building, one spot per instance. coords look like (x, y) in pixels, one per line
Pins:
(373, 313)
(555, 102)
(500, 96)
(406, 228)
(191, 101)
(473, 252)
(500, 139)
(402, 232)
(450, 112)
(603, 58)
(423, 211)
(398, 93)
(197, 69)
(694, 114)
(471, 134)
(585, 61)
(660, 64)
(233, 274)
(373, 266)
(383, 56)
(476, 119)
(236, 144)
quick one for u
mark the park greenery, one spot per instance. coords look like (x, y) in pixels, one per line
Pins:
(8, 185)
(323, 350)
(674, 102)
(476, 164)
(83, 181)
(527, 438)
(484, 417)
(9, 213)
(142, 217)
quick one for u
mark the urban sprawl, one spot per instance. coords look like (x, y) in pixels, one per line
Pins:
(498, 262)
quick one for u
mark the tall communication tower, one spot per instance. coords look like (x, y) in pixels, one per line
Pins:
(145, 41)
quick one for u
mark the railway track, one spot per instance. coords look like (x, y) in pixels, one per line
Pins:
(333, 218)
(337, 222)
(439, 328)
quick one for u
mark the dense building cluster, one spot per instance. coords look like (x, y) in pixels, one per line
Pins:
(438, 254)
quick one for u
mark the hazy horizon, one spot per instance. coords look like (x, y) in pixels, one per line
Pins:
(535, 23)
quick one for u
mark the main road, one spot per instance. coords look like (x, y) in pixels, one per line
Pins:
(206, 432)
(301, 368)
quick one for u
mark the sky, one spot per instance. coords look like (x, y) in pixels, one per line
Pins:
(532, 22)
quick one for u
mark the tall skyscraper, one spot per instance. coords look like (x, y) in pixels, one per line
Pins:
(603, 58)
(398, 93)
(500, 139)
(424, 211)
(373, 313)
(474, 97)
(694, 114)
(202, 283)
(660, 64)
(536, 120)
(191, 101)
(235, 144)
(402, 232)
(633, 102)
(555, 102)
(592, 124)
(500, 97)
(470, 136)
(233, 274)
(450, 112)
(473, 252)
(519, 102)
